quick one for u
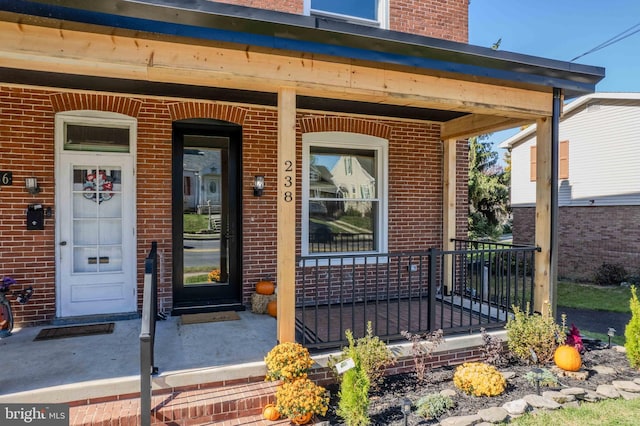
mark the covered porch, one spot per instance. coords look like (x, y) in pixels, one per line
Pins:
(235, 58)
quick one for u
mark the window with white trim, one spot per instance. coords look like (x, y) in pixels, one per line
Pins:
(344, 186)
(365, 12)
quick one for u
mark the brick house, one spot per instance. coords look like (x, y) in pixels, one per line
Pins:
(150, 121)
(598, 189)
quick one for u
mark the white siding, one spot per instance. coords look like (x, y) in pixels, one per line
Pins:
(523, 191)
(604, 158)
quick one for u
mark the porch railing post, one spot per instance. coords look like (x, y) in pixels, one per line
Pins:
(433, 286)
(147, 333)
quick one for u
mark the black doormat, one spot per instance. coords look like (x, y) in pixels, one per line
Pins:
(75, 331)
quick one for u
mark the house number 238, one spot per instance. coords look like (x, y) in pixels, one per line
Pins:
(288, 181)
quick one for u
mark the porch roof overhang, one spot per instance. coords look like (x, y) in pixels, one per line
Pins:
(333, 66)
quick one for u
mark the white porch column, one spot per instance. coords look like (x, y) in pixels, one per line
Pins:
(449, 208)
(286, 214)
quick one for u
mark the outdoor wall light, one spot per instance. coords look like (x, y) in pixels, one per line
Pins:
(31, 184)
(258, 185)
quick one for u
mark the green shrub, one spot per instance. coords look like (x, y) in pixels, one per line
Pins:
(533, 337)
(632, 331)
(353, 404)
(610, 274)
(543, 376)
(434, 405)
(479, 379)
(373, 353)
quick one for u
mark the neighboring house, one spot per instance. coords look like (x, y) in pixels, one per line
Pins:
(104, 102)
(598, 187)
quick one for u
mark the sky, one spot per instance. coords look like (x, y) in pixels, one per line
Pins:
(562, 30)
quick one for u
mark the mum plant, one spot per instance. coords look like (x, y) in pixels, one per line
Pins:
(288, 361)
(479, 379)
(301, 398)
(214, 276)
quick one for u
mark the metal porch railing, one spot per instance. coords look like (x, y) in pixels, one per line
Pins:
(458, 291)
(148, 332)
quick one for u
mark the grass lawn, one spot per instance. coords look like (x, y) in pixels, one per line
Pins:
(609, 412)
(589, 296)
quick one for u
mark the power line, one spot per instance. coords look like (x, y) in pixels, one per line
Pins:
(624, 34)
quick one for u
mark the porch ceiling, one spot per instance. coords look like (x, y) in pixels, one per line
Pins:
(210, 50)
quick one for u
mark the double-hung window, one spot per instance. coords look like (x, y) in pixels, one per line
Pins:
(344, 194)
(365, 12)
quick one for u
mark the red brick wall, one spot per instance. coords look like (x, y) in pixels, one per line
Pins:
(448, 19)
(290, 6)
(27, 135)
(588, 237)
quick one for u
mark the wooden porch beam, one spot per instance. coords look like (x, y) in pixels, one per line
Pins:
(286, 217)
(132, 56)
(477, 124)
(543, 276)
(449, 204)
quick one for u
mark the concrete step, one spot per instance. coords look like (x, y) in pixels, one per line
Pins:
(228, 405)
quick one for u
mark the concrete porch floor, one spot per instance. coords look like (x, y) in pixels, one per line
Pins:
(88, 367)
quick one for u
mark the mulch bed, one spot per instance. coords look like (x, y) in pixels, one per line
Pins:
(385, 401)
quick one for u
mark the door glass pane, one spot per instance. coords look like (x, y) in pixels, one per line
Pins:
(202, 217)
(97, 219)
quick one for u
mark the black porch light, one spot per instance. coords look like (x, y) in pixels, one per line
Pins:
(258, 185)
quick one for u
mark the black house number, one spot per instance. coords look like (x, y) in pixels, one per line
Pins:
(6, 178)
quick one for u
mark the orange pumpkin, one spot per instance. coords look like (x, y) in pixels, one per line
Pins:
(567, 358)
(265, 287)
(270, 412)
(272, 308)
(302, 420)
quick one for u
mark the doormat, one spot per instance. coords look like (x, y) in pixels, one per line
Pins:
(209, 317)
(75, 331)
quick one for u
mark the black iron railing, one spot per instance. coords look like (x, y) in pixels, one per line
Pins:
(457, 291)
(148, 332)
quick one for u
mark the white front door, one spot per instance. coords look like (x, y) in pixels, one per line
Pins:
(96, 241)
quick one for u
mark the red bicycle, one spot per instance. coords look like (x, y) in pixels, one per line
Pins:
(6, 314)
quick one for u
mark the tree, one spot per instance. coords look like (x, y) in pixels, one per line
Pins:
(488, 190)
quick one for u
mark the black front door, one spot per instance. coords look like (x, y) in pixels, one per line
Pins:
(206, 216)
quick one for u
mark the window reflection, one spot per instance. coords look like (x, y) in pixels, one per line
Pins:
(342, 200)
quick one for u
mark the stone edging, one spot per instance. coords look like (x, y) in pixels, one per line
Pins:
(549, 400)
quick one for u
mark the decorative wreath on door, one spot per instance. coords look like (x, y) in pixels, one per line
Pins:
(97, 187)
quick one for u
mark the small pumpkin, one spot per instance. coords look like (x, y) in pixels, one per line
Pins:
(567, 358)
(265, 287)
(270, 412)
(303, 419)
(272, 308)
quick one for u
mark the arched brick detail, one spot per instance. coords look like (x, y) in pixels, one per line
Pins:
(345, 124)
(89, 101)
(185, 110)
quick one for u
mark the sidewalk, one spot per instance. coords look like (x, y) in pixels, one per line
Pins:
(77, 368)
